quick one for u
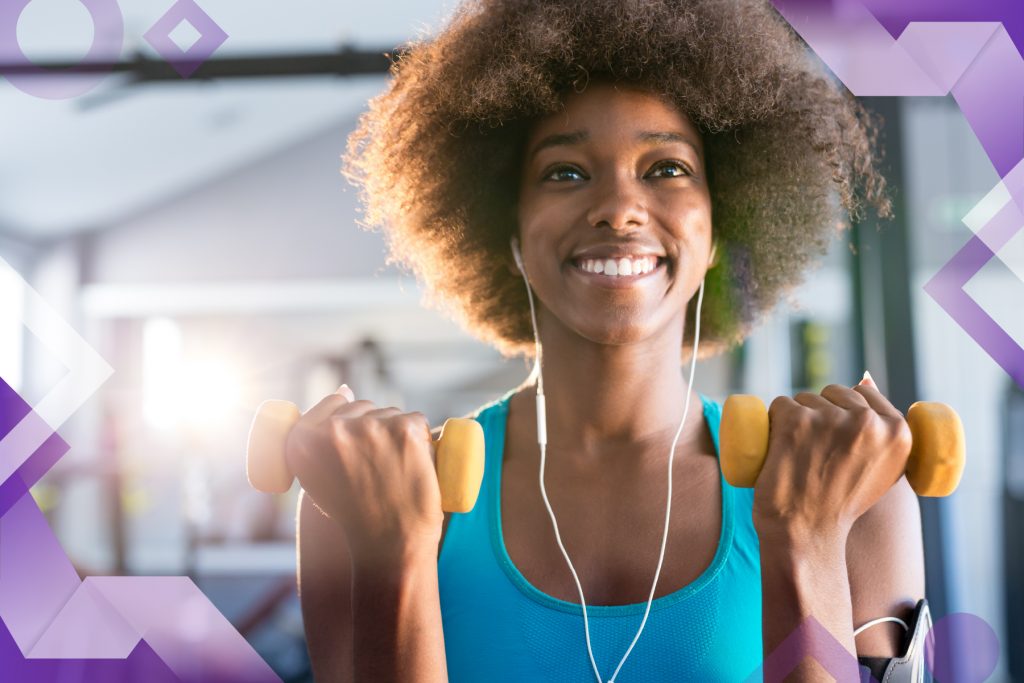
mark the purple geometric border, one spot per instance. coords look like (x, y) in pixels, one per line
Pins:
(211, 37)
(55, 627)
(937, 48)
(94, 607)
(107, 41)
(947, 288)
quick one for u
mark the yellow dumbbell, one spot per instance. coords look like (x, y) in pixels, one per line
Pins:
(459, 455)
(936, 456)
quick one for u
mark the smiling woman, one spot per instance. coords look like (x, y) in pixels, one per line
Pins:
(439, 155)
(657, 174)
(621, 157)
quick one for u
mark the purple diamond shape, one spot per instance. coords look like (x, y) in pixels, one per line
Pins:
(185, 62)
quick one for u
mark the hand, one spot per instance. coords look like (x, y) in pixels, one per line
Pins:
(830, 458)
(372, 471)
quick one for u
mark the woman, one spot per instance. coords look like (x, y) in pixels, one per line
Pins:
(696, 143)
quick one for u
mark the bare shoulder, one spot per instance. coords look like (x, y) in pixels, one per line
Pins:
(885, 561)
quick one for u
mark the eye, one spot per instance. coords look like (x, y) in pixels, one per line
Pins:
(677, 169)
(560, 173)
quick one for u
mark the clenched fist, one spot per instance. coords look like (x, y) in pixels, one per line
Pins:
(830, 458)
(371, 470)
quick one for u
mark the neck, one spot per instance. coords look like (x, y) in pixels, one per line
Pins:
(601, 398)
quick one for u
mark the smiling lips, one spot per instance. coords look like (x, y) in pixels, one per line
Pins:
(629, 265)
(618, 272)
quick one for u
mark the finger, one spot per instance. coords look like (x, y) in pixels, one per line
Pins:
(383, 412)
(844, 397)
(419, 419)
(355, 409)
(782, 403)
(812, 400)
(329, 404)
(877, 401)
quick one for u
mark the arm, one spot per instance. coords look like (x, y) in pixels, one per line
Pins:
(804, 576)
(370, 603)
(396, 613)
(877, 571)
(838, 524)
(379, 622)
(325, 593)
(885, 558)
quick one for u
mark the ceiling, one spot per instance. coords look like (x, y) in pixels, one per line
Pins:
(78, 164)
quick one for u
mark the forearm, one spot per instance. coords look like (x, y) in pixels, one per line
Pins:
(396, 615)
(801, 578)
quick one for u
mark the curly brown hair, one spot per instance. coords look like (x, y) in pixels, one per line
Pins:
(438, 154)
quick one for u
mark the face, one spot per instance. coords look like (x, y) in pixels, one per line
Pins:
(615, 179)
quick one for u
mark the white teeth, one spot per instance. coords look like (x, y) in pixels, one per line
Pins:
(620, 266)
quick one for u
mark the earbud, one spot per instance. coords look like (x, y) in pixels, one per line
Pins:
(714, 250)
(517, 256)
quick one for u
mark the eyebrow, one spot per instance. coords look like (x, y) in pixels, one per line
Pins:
(578, 136)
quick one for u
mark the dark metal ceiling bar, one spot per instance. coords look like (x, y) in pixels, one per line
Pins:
(346, 62)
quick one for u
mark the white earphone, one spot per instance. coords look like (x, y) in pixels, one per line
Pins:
(542, 440)
(517, 256)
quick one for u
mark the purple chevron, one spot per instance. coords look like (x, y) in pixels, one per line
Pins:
(958, 647)
(811, 639)
(975, 60)
(54, 625)
(946, 286)
(12, 410)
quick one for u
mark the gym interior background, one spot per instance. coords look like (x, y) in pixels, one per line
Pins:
(198, 234)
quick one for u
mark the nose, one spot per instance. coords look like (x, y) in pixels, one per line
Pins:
(618, 204)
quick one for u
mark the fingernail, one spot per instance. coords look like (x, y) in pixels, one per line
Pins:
(345, 390)
(868, 379)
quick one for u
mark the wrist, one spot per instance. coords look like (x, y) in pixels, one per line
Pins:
(794, 540)
(394, 559)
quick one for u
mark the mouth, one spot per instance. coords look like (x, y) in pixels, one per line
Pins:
(618, 273)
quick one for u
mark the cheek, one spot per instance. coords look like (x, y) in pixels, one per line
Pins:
(690, 219)
(544, 219)
(541, 206)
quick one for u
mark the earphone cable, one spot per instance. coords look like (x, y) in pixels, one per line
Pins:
(542, 442)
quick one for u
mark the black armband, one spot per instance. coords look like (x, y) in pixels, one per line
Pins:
(908, 668)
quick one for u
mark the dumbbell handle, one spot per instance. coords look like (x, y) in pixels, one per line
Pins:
(934, 468)
(459, 455)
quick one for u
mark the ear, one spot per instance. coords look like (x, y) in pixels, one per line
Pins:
(713, 258)
(510, 261)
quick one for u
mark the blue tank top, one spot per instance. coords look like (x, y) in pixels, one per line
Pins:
(499, 628)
